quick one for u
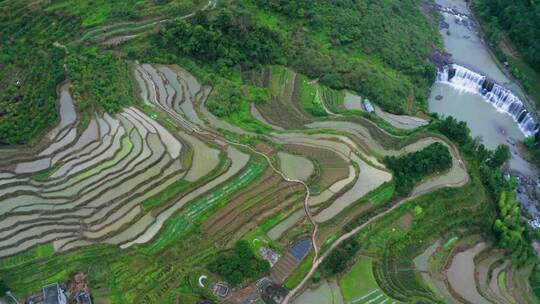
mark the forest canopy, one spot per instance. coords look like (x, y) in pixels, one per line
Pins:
(520, 19)
(358, 45)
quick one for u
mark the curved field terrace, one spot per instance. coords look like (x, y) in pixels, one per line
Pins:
(167, 173)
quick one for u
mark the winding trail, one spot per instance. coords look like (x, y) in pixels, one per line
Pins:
(188, 124)
(351, 233)
(317, 260)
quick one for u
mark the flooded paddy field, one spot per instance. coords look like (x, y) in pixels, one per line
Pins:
(154, 176)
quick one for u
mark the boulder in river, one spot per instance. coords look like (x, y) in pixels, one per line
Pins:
(444, 25)
(439, 58)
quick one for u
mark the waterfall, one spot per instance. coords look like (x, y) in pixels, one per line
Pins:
(500, 97)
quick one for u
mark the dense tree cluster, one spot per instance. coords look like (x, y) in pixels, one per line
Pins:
(411, 168)
(226, 38)
(338, 260)
(508, 225)
(489, 162)
(99, 80)
(226, 101)
(456, 130)
(239, 264)
(365, 46)
(510, 228)
(3, 288)
(32, 65)
(296, 8)
(30, 69)
(356, 45)
(520, 19)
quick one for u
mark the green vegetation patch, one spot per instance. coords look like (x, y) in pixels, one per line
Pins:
(509, 228)
(45, 174)
(229, 102)
(166, 195)
(359, 281)
(100, 80)
(534, 281)
(299, 273)
(383, 195)
(346, 51)
(333, 99)
(310, 98)
(501, 280)
(338, 260)
(97, 12)
(448, 245)
(411, 168)
(41, 251)
(198, 210)
(30, 70)
(521, 19)
(239, 264)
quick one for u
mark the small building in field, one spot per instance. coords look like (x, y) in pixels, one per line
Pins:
(83, 297)
(368, 106)
(53, 294)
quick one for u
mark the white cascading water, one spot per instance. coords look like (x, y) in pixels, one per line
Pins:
(501, 98)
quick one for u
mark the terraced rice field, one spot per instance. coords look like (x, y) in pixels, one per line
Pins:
(287, 90)
(475, 272)
(278, 230)
(147, 181)
(368, 178)
(366, 141)
(295, 167)
(116, 33)
(400, 121)
(99, 180)
(353, 102)
(264, 198)
(461, 275)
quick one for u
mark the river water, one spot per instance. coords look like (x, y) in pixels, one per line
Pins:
(461, 98)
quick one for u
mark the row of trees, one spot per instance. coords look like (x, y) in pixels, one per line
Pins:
(239, 264)
(510, 228)
(411, 168)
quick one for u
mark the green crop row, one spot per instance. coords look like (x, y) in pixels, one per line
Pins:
(193, 214)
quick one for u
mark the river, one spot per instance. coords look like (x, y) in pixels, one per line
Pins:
(504, 120)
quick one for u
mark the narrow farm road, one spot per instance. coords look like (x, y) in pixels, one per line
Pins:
(351, 233)
(317, 260)
(192, 127)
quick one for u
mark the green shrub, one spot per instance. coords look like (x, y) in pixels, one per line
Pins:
(239, 264)
(338, 260)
